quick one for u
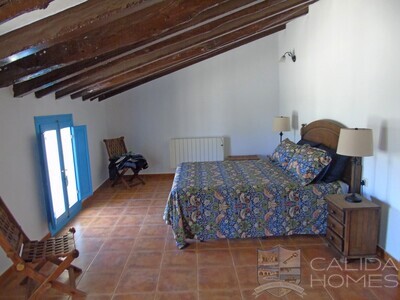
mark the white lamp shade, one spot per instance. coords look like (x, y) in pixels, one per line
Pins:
(355, 142)
(281, 124)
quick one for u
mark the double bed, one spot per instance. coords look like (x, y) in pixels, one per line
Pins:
(274, 196)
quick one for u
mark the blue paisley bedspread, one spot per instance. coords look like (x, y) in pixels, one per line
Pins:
(243, 199)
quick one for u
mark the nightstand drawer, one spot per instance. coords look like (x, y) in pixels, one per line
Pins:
(336, 212)
(334, 225)
(334, 239)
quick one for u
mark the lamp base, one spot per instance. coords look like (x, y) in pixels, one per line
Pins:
(354, 198)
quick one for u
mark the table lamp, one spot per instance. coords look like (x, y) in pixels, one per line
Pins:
(281, 124)
(356, 143)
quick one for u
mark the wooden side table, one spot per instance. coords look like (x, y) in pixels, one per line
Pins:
(352, 227)
(242, 157)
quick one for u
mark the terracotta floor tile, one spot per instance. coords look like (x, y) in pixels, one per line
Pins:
(130, 220)
(171, 245)
(388, 292)
(119, 202)
(147, 259)
(101, 221)
(214, 257)
(217, 278)
(154, 219)
(244, 243)
(220, 295)
(142, 247)
(244, 256)
(89, 245)
(134, 296)
(270, 242)
(180, 259)
(177, 280)
(99, 283)
(319, 254)
(156, 211)
(353, 292)
(97, 232)
(146, 244)
(311, 293)
(153, 231)
(300, 240)
(139, 203)
(123, 195)
(214, 244)
(112, 261)
(99, 297)
(90, 212)
(84, 260)
(79, 222)
(142, 195)
(118, 244)
(159, 203)
(247, 276)
(136, 210)
(110, 211)
(249, 295)
(177, 296)
(125, 232)
(138, 281)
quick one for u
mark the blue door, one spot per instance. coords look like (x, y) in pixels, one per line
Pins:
(66, 167)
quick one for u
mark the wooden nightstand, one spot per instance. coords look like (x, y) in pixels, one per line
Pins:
(352, 227)
(242, 157)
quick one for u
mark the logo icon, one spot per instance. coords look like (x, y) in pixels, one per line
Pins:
(278, 272)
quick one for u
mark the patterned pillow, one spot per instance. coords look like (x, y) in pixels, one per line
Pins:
(284, 152)
(307, 163)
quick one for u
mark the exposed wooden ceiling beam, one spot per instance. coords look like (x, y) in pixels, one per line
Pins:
(257, 13)
(103, 51)
(156, 51)
(220, 45)
(64, 26)
(121, 35)
(117, 90)
(9, 9)
(52, 79)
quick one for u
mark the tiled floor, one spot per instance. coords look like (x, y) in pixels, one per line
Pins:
(127, 252)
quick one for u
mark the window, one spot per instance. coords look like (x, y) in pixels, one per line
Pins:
(65, 167)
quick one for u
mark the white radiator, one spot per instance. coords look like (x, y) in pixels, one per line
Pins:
(196, 149)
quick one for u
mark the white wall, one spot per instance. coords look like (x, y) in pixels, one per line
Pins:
(20, 181)
(233, 95)
(347, 69)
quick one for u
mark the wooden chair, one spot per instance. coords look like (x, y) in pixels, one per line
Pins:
(116, 149)
(29, 257)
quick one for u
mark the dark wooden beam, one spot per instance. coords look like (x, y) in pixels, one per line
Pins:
(9, 9)
(217, 44)
(117, 90)
(120, 36)
(209, 31)
(154, 52)
(52, 81)
(64, 26)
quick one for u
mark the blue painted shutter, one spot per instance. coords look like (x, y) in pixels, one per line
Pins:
(82, 162)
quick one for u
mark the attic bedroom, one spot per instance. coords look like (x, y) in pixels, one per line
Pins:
(156, 70)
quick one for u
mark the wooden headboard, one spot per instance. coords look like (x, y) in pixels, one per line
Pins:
(327, 132)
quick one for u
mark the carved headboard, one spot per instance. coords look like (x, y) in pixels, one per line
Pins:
(327, 132)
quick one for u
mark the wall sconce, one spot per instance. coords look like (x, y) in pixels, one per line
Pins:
(291, 54)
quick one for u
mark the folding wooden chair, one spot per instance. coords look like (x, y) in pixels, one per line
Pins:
(29, 257)
(116, 150)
